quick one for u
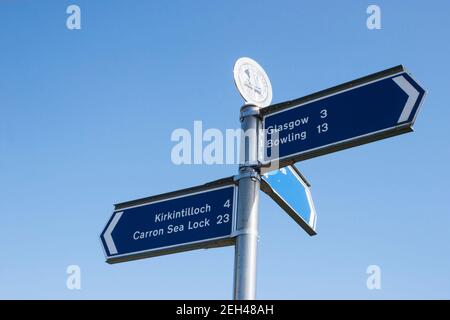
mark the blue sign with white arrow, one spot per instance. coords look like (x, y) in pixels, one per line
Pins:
(364, 110)
(290, 190)
(199, 217)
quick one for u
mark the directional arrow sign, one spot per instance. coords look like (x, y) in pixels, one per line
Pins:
(290, 190)
(378, 106)
(198, 217)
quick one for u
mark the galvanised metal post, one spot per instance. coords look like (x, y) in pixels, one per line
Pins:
(247, 206)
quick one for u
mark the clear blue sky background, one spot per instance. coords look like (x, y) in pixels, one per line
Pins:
(86, 118)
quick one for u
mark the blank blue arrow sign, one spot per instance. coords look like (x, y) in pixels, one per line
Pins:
(368, 109)
(289, 189)
(191, 219)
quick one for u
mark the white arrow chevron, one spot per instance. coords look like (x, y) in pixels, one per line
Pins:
(108, 237)
(412, 93)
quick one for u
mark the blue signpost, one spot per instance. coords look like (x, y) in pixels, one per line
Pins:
(368, 109)
(199, 217)
(290, 190)
(225, 212)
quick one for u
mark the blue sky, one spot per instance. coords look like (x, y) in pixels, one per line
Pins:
(86, 117)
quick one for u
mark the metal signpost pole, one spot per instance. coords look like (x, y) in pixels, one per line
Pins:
(247, 212)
